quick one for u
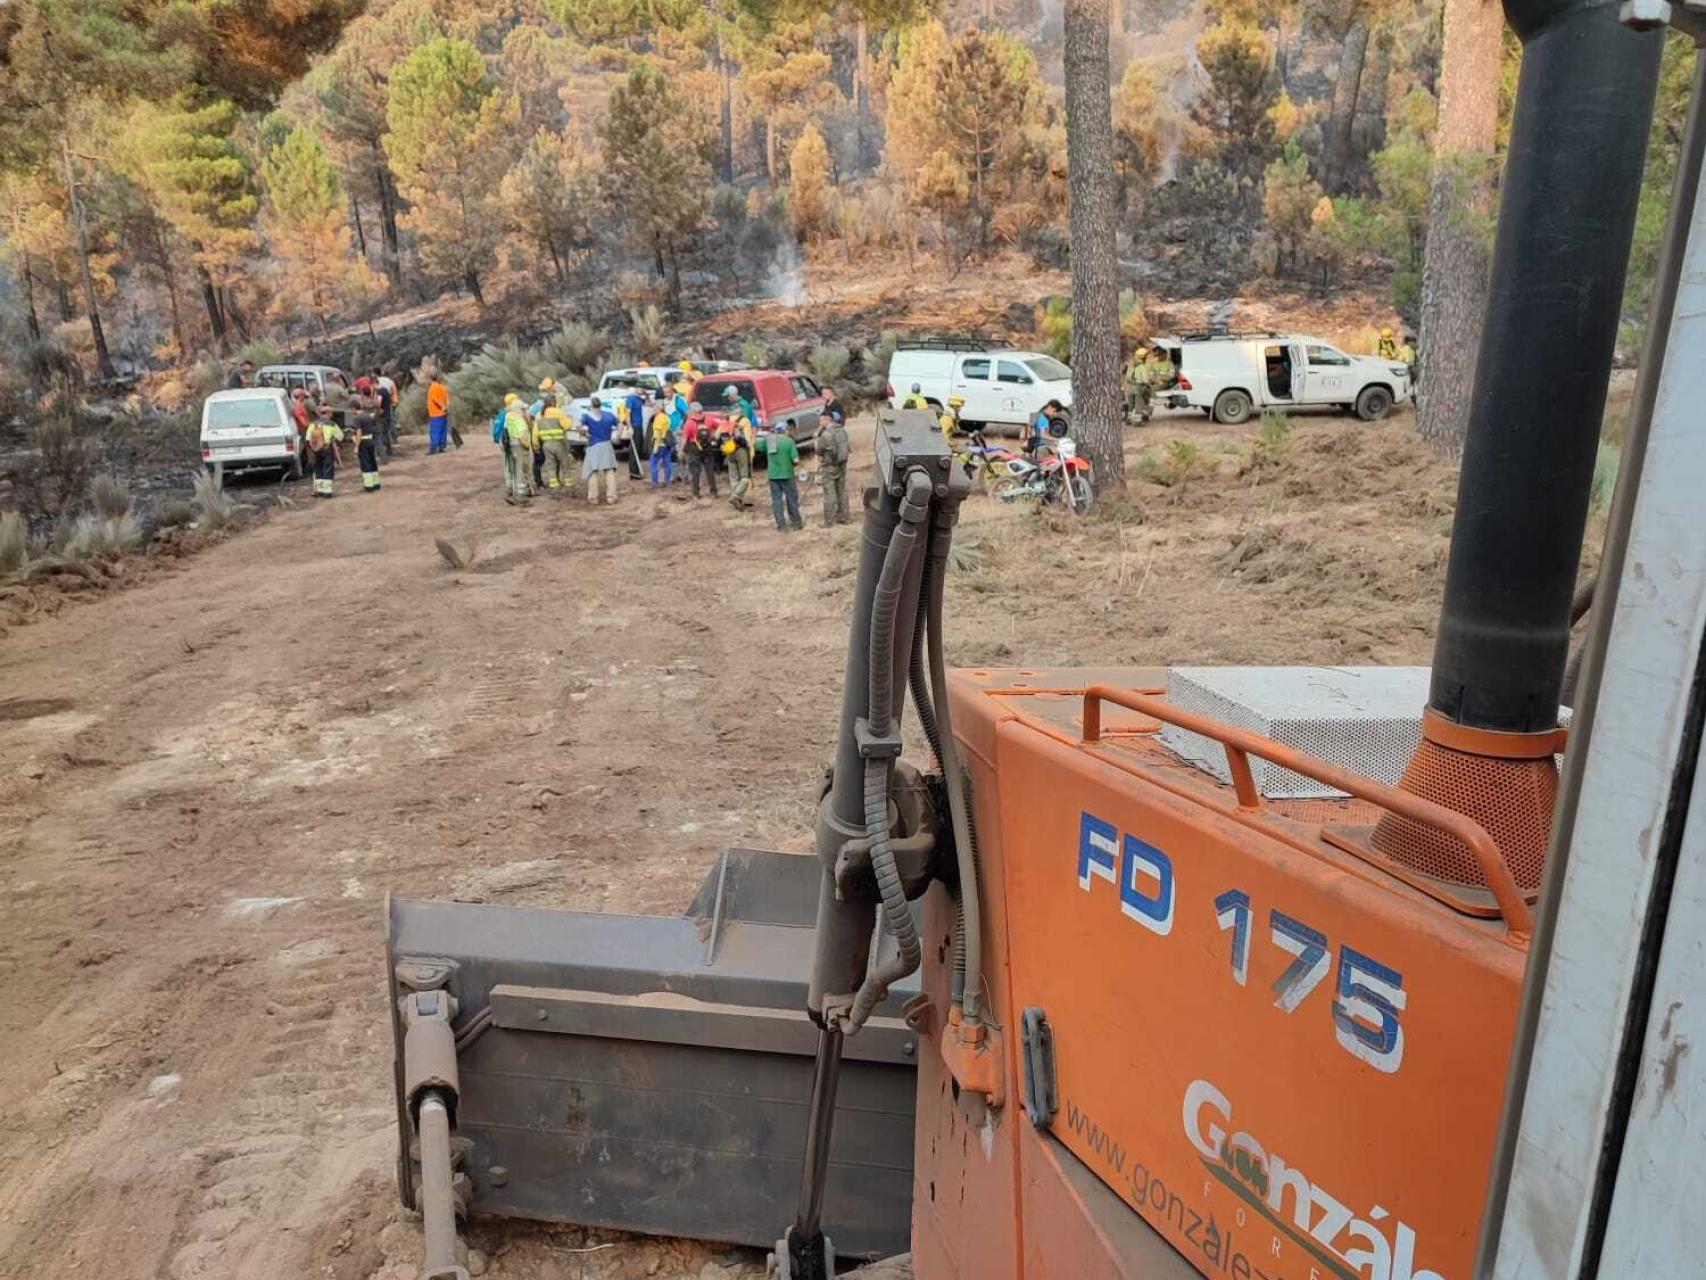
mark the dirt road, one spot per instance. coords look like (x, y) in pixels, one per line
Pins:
(209, 781)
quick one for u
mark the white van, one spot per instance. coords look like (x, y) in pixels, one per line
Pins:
(1000, 385)
(248, 428)
(1233, 375)
(317, 378)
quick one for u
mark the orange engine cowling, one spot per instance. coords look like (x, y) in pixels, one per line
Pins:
(1267, 1055)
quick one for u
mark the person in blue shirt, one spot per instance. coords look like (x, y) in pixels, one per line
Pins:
(600, 427)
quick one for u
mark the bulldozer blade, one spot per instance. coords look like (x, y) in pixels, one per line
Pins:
(652, 1073)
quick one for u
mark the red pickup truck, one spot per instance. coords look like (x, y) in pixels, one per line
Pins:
(786, 400)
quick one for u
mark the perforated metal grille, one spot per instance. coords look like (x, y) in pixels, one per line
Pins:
(1367, 719)
(1511, 799)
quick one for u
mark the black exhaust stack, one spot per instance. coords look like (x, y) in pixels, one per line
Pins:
(1571, 184)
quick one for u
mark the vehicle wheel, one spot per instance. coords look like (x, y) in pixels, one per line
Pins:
(1083, 494)
(294, 470)
(1374, 404)
(1004, 488)
(1232, 407)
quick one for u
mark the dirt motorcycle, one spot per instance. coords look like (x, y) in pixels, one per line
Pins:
(1056, 475)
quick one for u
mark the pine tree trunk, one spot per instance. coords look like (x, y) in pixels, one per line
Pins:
(30, 301)
(1454, 270)
(725, 113)
(355, 220)
(472, 279)
(388, 217)
(1096, 408)
(103, 358)
(1342, 117)
(769, 150)
(215, 316)
(171, 283)
(862, 94)
(1376, 91)
(62, 295)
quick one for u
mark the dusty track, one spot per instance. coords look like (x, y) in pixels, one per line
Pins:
(209, 781)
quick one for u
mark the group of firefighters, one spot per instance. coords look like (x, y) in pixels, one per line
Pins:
(667, 425)
(363, 413)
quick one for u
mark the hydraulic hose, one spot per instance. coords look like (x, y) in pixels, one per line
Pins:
(915, 675)
(896, 915)
(968, 922)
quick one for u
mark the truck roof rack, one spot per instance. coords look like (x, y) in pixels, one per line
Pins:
(1211, 335)
(932, 342)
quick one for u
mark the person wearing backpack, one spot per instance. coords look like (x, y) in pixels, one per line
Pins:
(321, 442)
(833, 449)
(699, 448)
(517, 439)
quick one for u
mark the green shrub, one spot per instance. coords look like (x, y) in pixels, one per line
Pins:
(109, 498)
(828, 362)
(50, 365)
(578, 348)
(478, 388)
(214, 510)
(755, 353)
(93, 536)
(14, 542)
(53, 477)
(649, 331)
(1057, 328)
(174, 513)
(1273, 442)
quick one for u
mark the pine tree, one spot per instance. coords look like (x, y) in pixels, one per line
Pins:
(1237, 104)
(550, 199)
(644, 121)
(448, 139)
(307, 228)
(199, 180)
(809, 183)
(965, 102)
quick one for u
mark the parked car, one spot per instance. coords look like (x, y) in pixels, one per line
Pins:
(249, 428)
(316, 377)
(786, 401)
(1000, 385)
(1230, 376)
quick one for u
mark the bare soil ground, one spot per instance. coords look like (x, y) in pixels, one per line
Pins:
(209, 780)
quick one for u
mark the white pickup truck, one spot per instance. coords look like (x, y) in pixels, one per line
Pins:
(1233, 375)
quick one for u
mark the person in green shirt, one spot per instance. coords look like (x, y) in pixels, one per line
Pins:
(781, 456)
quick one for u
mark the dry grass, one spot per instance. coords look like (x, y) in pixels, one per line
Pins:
(213, 509)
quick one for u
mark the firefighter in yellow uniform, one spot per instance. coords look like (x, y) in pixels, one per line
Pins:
(518, 451)
(949, 419)
(915, 399)
(687, 381)
(551, 425)
(1387, 348)
(321, 441)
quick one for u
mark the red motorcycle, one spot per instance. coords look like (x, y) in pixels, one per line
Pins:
(1057, 474)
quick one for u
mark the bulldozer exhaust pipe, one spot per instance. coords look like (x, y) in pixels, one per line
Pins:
(1572, 182)
(1566, 218)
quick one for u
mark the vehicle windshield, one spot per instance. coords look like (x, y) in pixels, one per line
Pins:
(242, 413)
(621, 381)
(1048, 369)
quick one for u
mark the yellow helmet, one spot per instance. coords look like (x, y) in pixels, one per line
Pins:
(511, 398)
(550, 384)
(687, 366)
(1386, 332)
(728, 446)
(956, 402)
